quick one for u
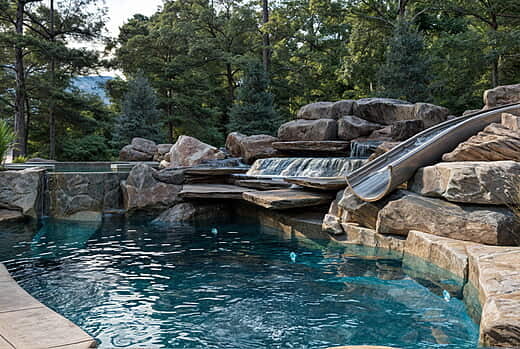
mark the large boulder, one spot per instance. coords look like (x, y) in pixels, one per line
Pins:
(314, 111)
(251, 148)
(384, 110)
(430, 114)
(341, 108)
(404, 129)
(189, 151)
(142, 191)
(351, 127)
(144, 145)
(494, 143)
(21, 190)
(489, 183)
(189, 212)
(502, 95)
(128, 153)
(483, 224)
(382, 148)
(309, 130)
(163, 152)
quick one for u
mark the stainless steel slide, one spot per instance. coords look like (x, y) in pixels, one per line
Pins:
(379, 177)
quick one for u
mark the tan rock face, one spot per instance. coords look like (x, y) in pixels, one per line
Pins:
(258, 147)
(511, 121)
(358, 235)
(234, 142)
(495, 143)
(309, 130)
(351, 127)
(189, 151)
(384, 110)
(486, 225)
(500, 321)
(20, 190)
(315, 111)
(449, 254)
(383, 148)
(430, 114)
(469, 182)
(502, 95)
(141, 191)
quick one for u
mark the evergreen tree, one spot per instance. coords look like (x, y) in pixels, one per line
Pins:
(253, 111)
(139, 116)
(404, 75)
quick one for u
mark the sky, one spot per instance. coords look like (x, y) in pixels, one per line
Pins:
(119, 11)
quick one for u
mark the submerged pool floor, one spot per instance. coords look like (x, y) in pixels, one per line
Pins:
(140, 285)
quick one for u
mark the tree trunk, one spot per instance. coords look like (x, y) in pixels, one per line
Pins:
(28, 121)
(52, 117)
(266, 52)
(495, 80)
(19, 118)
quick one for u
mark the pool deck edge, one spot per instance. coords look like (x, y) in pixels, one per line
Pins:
(27, 323)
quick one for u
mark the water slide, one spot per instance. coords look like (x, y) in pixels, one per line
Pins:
(379, 177)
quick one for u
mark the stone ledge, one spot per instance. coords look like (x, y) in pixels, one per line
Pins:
(355, 234)
(27, 323)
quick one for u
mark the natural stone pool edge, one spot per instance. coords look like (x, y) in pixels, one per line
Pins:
(27, 323)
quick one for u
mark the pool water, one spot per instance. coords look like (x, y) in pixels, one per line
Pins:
(135, 284)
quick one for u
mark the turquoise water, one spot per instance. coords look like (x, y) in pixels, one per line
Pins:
(133, 284)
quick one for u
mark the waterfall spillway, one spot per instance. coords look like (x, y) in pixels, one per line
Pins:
(363, 149)
(304, 167)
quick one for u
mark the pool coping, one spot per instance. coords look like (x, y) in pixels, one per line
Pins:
(27, 323)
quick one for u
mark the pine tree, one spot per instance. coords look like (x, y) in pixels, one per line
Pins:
(253, 111)
(139, 116)
(405, 72)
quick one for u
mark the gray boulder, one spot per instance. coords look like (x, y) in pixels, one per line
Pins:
(142, 192)
(144, 145)
(189, 212)
(430, 114)
(309, 130)
(189, 151)
(315, 111)
(21, 190)
(384, 110)
(251, 148)
(402, 130)
(128, 153)
(351, 127)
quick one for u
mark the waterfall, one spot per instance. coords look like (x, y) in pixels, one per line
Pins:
(304, 167)
(363, 149)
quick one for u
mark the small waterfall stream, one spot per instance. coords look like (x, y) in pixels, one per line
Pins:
(304, 167)
(363, 149)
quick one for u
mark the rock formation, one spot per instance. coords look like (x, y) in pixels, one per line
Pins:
(189, 151)
(251, 148)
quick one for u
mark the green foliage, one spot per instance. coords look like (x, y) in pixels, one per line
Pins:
(139, 116)
(404, 75)
(7, 139)
(86, 148)
(20, 160)
(253, 111)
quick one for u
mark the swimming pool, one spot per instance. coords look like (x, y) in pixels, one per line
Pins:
(233, 285)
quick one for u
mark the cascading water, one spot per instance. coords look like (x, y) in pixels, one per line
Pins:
(304, 167)
(363, 149)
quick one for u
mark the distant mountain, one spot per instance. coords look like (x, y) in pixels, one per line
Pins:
(94, 85)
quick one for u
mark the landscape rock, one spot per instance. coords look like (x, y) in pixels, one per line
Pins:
(315, 111)
(170, 176)
(483, 224)
(310, 148)
(384, 110)
(234, 143)
(309, 130)
(189, 151)
(500, 322)
(402, 130)
(490, 183)
(144, 145)
(358, 235)
(332, 220)
(21, 190)
(10, 215)
(128, 153)
(342, 108)
(511, 121)
(494, 143)
(383, 134)
(351, 127)
(163, 152)
(189, 212)
(502, 95)
(257, 147)
(364, 213)
(70, 192)
(382, 148)
(449, 254)
(430, 114)
(141, 191)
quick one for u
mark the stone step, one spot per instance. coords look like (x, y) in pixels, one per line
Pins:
(288, 198)
(329, 148)
(213, 191)
(321, 183)
(262, 184)
(214, 171)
